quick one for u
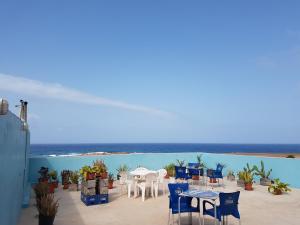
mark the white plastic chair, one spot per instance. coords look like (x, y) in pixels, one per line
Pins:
(144, 185)
(160, 181)
(127, 181)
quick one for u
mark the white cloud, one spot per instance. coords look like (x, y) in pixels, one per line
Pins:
(39, 89)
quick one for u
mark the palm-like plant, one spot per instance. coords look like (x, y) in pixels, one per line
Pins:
(180, 162)
(247, 177)
(170, 168)
(249, 169)
(200, 161)
(262, 172)
(278, 187)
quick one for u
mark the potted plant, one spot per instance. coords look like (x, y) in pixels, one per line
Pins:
(53, 178)
(240, 181)
(44, 176)
(123, 169)
(278, 187)
(170, 168)
(65, 177)
(180, 163)
(230, 175)
(74, 178)
(47, 208)
(248, 180)
(264, 175)
(110, 180)
(87, 173)
(200, 161)
(40, 190)
(100, 169)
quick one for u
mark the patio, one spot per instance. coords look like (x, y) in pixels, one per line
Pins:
(256, 207)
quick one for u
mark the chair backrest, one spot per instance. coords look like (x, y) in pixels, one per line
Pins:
(161, 175)
(195, 172)
(180, 172)
(193, 165)
(123, 177)
(219, 167)
(229, 203)
(151, 177)
(175, 190)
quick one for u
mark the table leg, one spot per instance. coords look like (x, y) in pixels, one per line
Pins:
(199, 209)
(215, 209)
(179, 216)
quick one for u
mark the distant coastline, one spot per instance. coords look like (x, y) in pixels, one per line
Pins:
(268, 150)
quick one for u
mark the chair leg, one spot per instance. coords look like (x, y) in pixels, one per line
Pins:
(202, 219)
(143, 194)
(172, 219)
(199, 218)
(190, 218)
(129, 190)
(240, 222)
(169, 216)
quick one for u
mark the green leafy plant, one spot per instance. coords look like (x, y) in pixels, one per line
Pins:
(99, 166)
(247, 177)
(262, 172)
(74, 177)
(47, 206)
(123, 169)
(278, 187)
(240, 175)
(53, 175)
(170, 168)
(249, 169)
(200, 161)
(85, 170)
(180, 162)
(230, 173)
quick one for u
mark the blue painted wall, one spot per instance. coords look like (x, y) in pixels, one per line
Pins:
(14, 148)
(285, 169)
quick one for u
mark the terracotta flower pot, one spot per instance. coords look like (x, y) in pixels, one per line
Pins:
(212, 180)
(90, 176)
(55, 184)
(66, 186)
(51, 187)
(195, 177)
(104, 175)
(110, 184)
(167, 176)
(277, 192)
(248, 187)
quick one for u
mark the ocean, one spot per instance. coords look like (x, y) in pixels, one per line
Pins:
(75, 149)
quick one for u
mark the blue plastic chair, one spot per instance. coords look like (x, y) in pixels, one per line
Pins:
(228, 206)
(217, 173)
(185, 202)
(180, 172)
(193, 165)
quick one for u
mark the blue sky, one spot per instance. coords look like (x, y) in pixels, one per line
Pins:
(154, 71)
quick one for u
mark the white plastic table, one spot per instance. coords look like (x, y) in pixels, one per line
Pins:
(140, 174)
(208, 195)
